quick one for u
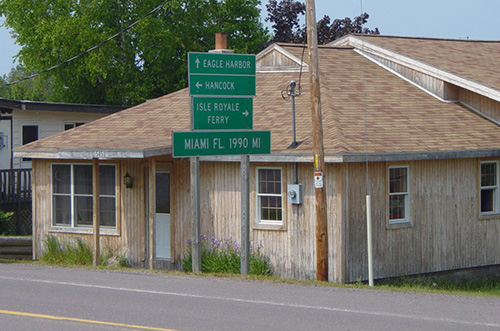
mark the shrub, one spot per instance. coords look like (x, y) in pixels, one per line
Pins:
(5, 228)
(219, 256)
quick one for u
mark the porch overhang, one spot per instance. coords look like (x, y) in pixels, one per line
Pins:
(109, 154)
(89, 154)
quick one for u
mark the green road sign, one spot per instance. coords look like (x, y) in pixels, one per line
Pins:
(200, 84)
(222, 113)
(192, 143)
(221, 63)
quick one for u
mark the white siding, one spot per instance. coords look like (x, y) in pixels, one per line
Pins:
(49, 123)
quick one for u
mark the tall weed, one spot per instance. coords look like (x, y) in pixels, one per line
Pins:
(223, 256)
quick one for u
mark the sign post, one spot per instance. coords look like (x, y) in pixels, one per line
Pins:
(221, 86)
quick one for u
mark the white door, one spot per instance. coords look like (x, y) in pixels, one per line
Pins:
(5, 150)
(162, 213)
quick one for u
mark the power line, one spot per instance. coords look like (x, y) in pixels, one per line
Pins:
(86, 51)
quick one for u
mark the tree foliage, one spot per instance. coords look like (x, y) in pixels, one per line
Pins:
(285, 17)
(143, 62)
(37, 88)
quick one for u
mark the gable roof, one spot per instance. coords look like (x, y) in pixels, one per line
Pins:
(470, 64)
(402, 121)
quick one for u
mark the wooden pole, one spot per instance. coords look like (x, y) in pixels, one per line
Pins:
(318, 152)
(96, 210)
(152, 214)
(369, 238)
(195, 218)
(245, 211)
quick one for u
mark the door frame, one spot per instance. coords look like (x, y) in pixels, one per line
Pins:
(150, 170)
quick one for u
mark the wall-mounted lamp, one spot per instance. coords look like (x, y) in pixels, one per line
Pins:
(127, 180)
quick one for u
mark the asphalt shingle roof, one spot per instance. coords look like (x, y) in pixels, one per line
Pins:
(471, 59)
(357, 95)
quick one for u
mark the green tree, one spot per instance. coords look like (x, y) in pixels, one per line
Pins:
(285, 17)
(38, 88)
(143, 62)
(5, 91)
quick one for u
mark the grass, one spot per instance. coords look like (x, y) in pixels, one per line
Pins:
(75, 253)
(485, 286)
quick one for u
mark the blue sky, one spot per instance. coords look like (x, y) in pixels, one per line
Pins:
(457, 19)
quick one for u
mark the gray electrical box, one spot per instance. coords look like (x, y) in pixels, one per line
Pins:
(294, 194)
(2, 140)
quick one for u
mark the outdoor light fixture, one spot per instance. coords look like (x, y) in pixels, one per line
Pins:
(127, 180)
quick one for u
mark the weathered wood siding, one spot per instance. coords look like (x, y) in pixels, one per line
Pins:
(276, 60)
(447, 231)
(41, 205)
(485, 105)
(434, 85)
(291, 250)
(180, 209)
(42, 215)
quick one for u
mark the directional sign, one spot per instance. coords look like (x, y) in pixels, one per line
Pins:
(200, 84)
(221, 63)
(191, 143)
(222, 113)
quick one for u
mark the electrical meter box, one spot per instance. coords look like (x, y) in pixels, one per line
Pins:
(294, 194)
(2, 140)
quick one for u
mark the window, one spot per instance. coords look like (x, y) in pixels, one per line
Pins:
(71, 125)
(489, 187)
(269, 196)
(399, 196)
(72, 195)
(30, 134)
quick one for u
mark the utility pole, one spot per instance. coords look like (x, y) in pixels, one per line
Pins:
(318, 152)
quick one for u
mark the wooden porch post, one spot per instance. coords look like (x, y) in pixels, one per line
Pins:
(96, 210)
(152, 213)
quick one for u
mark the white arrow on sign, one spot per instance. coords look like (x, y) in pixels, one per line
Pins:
(198, 85)
(245, 113)
(197, 61)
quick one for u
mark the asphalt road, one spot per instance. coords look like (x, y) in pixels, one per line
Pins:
(47, 298)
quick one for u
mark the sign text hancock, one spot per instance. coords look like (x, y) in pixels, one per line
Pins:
(221, 74)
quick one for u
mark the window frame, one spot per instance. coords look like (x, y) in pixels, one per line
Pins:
(405, 221)
(28, 159)
(496, 188)
(269, 224)
(74, 124)
(73, 226)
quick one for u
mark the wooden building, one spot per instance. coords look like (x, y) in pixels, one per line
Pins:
(412, 122)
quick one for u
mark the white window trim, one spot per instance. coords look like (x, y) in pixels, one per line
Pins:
(72, 227)
(259, 221)
(407, 219)
(495, 187)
